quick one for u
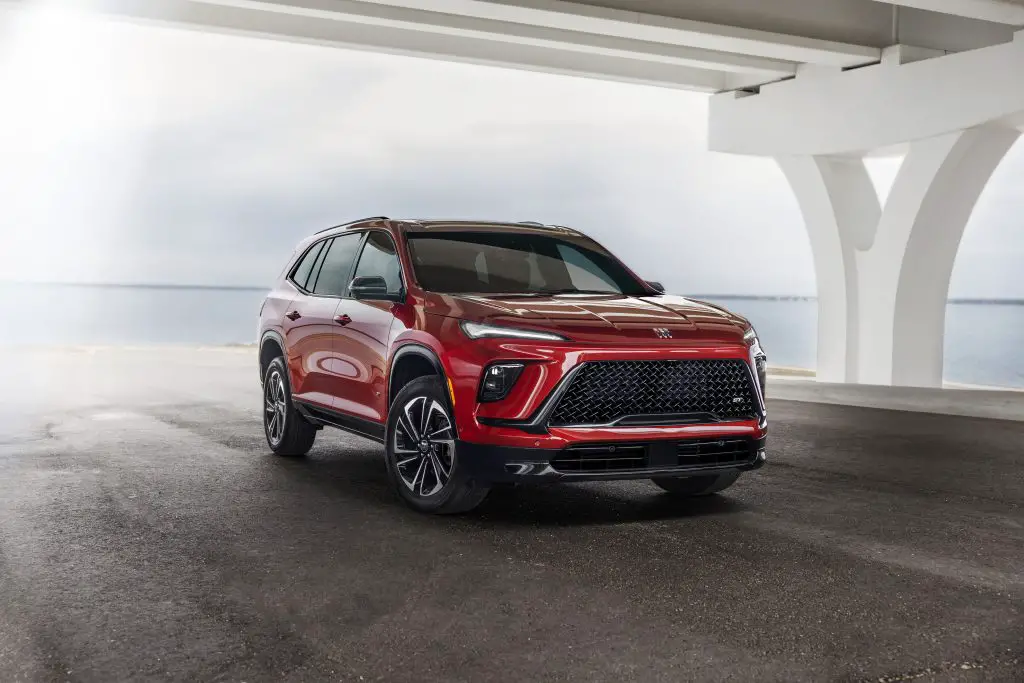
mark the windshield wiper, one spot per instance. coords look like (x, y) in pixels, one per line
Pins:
(554, 292)
(508, 295)
(546, 292)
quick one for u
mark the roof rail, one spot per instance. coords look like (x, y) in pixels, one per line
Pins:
(351, 223)
(550, 226)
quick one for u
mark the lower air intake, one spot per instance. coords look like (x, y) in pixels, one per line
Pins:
(609, 458)
(691, 455)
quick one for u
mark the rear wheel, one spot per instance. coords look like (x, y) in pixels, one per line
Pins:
(422, 453)
(288, 433)
(686, 487)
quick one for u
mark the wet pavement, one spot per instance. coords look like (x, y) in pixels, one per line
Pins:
(146, 533)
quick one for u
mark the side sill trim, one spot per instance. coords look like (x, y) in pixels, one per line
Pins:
(348, 423)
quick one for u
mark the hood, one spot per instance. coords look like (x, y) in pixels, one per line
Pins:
(599, 317)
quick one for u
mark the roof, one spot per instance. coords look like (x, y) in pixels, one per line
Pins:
(440, 225)
(449, 225)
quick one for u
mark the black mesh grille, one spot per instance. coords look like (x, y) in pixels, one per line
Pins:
(606, 391)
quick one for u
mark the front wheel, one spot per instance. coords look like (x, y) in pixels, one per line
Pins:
(686, 487)
(422, 452)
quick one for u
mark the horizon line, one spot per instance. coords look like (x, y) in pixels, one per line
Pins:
(135, 285)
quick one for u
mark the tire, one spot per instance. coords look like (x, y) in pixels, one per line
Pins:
(688, 487)
(426, 474)
(296, 436)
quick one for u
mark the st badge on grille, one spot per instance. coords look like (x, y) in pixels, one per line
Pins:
(663, 332)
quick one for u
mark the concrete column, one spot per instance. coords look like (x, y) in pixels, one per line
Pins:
(841, 212)
(883, 273)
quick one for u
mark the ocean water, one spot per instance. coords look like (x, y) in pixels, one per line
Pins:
(75, 314)
(983, 340)
(110, 315)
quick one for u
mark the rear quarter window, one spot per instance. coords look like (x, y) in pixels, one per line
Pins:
(300, 274)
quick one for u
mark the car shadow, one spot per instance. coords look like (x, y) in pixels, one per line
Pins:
(593, 503)
(359, 473)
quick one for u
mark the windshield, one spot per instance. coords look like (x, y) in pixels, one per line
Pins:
(516, 263)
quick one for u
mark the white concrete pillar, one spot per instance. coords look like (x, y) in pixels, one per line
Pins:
(883, 273)
(841, 212)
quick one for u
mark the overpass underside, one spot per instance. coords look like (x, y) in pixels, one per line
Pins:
(816, 85)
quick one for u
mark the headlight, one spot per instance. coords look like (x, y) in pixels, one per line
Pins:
(479, 330)
(498, 380)
(761, 365)
(758, 356)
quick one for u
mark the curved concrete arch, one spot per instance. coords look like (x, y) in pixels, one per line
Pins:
(841, 211)
(925, 220)
(883, 273)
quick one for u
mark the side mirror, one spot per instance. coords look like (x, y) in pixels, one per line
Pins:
(370, 287)
(656, 286)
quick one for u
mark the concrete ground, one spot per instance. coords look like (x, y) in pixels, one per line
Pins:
(146, 533)
(955, 399)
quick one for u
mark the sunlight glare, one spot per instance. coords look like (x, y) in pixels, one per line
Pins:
(51, 73)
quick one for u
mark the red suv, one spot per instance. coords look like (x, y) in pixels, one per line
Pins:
(484, 353)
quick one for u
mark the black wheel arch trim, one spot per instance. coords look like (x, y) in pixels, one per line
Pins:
(424, 351)
(277, 337)
(416, 349)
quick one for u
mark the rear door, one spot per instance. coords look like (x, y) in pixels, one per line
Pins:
(363, 340)
(309, 323)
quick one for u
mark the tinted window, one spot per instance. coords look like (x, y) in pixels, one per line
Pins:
(337, 265)
(516, 262)
(379, 258)
(302, 271)
(316, 266)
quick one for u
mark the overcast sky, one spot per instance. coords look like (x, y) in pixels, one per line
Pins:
(140, 154)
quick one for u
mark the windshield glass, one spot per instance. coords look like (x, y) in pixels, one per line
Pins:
(516, 263)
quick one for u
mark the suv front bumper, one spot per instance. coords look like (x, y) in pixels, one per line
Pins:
(611, 461)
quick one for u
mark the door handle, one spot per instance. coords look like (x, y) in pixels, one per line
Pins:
(342, 319)
(293, 315)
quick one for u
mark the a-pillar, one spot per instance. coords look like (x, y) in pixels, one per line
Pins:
(883, 272)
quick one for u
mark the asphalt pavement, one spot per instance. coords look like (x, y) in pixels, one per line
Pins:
(147, 533)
